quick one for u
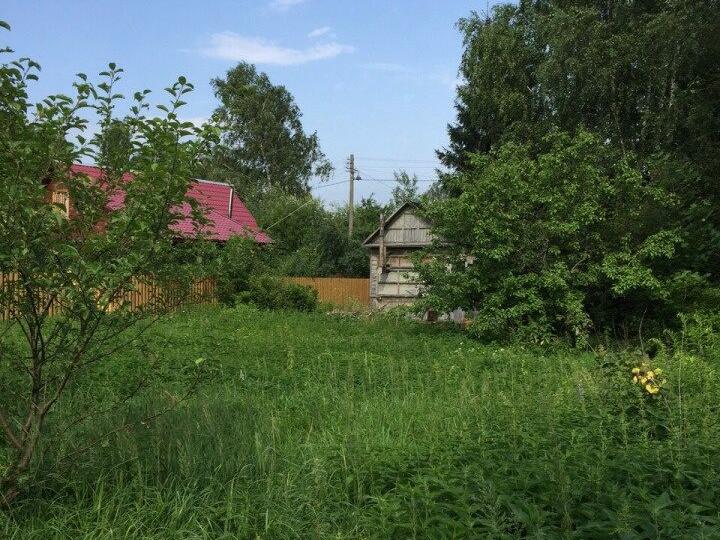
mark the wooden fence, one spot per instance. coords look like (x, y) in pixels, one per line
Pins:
(338, 290)
(144, 294)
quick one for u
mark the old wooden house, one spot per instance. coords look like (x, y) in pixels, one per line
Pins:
(393, 281)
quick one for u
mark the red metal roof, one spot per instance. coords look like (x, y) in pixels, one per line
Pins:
(225, 218)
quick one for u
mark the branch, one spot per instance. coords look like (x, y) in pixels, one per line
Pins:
(9, 433)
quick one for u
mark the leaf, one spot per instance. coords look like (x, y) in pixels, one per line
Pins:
(661, 502)
(4, 25)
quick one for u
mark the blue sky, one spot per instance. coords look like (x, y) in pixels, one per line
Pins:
(375, 78)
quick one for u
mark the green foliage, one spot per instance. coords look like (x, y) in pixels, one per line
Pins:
(699, 334)
(238, 260)
(82, 263)
(498, 73)
(263, 142)
(320, 427)
(311, 240)
(642, 78)
(551, 243)
(269, 292)
(406, 190)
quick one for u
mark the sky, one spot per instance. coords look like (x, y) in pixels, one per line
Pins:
(373, 78)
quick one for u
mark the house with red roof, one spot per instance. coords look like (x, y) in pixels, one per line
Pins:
(226, 214)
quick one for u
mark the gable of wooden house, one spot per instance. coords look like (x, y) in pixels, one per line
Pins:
(393, 279)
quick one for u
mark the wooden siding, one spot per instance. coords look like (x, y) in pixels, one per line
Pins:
(405, 229)
(338, 290)
(398, 284)
(144, 294)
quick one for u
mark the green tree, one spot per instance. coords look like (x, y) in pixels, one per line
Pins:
(311, 240)
(353, 261)
(263, 142)
(406, 190)
(644, 76)
(85, 264)
(549, 244)
(496, 97)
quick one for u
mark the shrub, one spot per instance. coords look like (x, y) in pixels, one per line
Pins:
(69, 265)
(555, 241)
(268, 292)
(237, 261)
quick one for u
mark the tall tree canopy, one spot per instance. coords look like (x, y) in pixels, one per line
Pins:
(645, 75)
(263, 142)
(634, 83)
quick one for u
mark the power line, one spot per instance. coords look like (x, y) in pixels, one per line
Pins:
(395, 160)
(393, 180)
(397, 168)
(310, 200)
(290, 214)
(366, 176)
(329, 185)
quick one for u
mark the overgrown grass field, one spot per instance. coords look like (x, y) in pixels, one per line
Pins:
(313, 426)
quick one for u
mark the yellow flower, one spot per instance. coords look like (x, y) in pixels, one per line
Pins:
(658, 371)
(651, 374)
(643, 380)
(635, 379)
(636, 370)
(652, 389)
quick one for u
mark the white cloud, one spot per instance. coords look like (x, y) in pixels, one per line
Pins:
(237, 48)
(318, 32)
(284, 5)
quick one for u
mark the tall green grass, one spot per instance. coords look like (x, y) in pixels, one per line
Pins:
(311, 426)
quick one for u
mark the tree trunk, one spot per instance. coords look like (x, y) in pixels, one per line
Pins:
(10, 481)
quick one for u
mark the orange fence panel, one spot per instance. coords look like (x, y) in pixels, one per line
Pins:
(338, 290)
(144, 292)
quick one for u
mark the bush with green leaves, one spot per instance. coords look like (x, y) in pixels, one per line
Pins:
(312, 240)
(270, 292)
(626, 236)
(236, 262)
(554, 239)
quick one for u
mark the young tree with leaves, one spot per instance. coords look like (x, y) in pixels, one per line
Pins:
(66, 278)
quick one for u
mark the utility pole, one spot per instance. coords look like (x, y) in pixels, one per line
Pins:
(351, 201)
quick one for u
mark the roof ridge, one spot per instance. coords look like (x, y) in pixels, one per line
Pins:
(212, 182)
